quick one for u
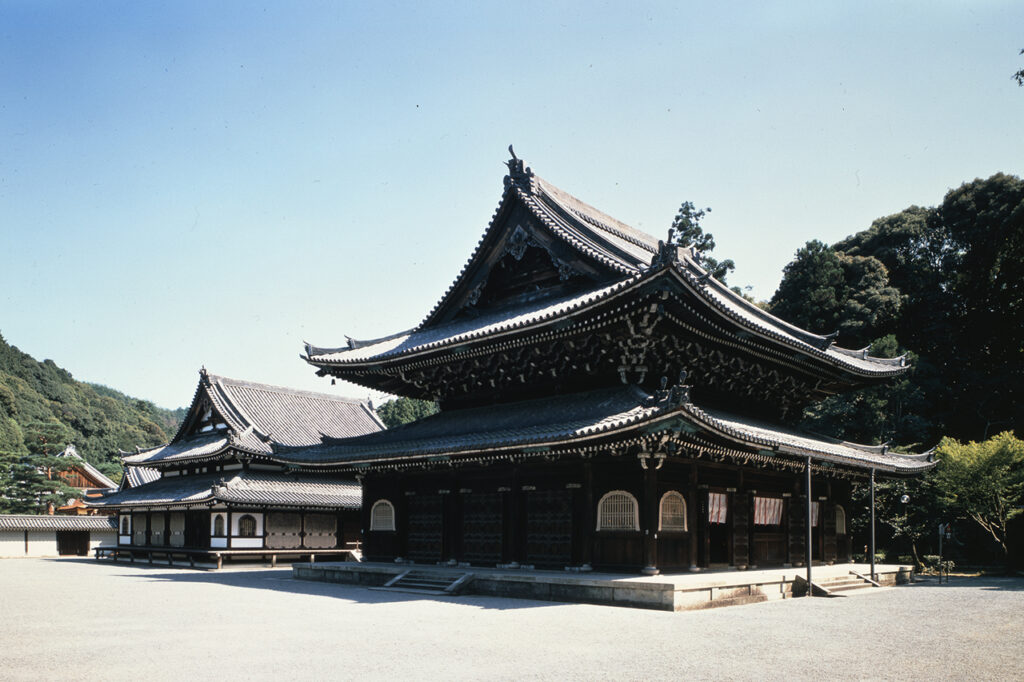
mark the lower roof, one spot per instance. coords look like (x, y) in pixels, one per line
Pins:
(243, 488)
(56, 522)
(611, 416)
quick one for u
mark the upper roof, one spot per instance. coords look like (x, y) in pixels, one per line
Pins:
(239, 487)
(99, 479)
(58, 522)
(255, 418)
(605, 256)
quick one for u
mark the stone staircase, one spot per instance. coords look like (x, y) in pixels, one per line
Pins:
(835, 586)
(437, 583)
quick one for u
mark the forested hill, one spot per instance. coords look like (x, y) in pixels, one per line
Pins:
(42, 408)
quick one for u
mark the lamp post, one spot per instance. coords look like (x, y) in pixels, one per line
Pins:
(873, 525)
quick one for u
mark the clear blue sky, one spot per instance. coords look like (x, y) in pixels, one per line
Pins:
(192, 183)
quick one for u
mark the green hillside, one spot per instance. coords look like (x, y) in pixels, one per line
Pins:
(42, 408)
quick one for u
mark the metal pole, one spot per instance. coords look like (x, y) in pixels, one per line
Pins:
(873, 525)
(807, 551)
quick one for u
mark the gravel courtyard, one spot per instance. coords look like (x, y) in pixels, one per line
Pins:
(68, 619)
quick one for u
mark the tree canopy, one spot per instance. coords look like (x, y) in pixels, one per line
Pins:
(947, 284)
(43, 408)
(401, 410)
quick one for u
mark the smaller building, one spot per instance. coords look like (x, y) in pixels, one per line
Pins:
(88, 479)
(218, 486)
(25, 535)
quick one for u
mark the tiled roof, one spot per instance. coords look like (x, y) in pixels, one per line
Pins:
(252, 487)
(136, 476)
(624, 250)
(527, 423)
(259, 418)
(583, 416)
(820, 448)
(56, 522)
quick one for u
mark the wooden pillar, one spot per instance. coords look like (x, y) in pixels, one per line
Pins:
(705, 525)
(228, 529)
(692, 522)
(650, 519)
(167, 528)
(751, 546)
(589, 523)
(516, 525)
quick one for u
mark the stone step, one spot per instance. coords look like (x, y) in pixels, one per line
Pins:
(427, 582)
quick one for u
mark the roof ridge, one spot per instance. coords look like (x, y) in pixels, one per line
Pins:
(545, 185)
(287, 390)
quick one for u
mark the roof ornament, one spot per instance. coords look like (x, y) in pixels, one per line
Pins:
(680, 393)
(518, 171)
(668, 254)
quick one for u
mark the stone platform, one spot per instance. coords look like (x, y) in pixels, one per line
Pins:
(667, 592)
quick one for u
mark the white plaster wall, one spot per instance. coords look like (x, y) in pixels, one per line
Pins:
(102, 538)
(124, 539)
(12, 543)
(218, 542)
(246, 543)
(42, 543)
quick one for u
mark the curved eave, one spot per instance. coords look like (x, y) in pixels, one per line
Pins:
(772, 330)
(769, 327)
(869, 457)
(230, 451)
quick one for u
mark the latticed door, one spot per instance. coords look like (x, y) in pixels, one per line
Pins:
(177, 529)
(426, 525)
(321, 531)
(139, 527)
(549, 527)
(283, 530)
(481, 528)
(156, 530)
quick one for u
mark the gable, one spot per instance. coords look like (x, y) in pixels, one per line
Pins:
(519, 259)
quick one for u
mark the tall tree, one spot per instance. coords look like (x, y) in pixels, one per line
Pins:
(687, 231)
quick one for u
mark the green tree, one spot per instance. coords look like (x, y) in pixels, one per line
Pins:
(403, 410)
(983, 482)
(687, 231)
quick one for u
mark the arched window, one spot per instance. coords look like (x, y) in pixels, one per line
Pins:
(218, 524)
(618, 510)
(125, 525)
(840, 520)
(672, 512)
(247, 527)
(382, 515)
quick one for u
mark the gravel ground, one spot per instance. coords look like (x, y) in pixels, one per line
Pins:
(68, 619)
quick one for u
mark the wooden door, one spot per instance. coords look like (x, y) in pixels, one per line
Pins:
(549, 527)
(482, 528)
(73, 542)
(426, 527)
(284, 530)
(321, 531)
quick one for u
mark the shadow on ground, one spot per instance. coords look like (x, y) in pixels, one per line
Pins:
(280, 580)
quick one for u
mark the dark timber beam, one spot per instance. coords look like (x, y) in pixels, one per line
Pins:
(873, 576)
